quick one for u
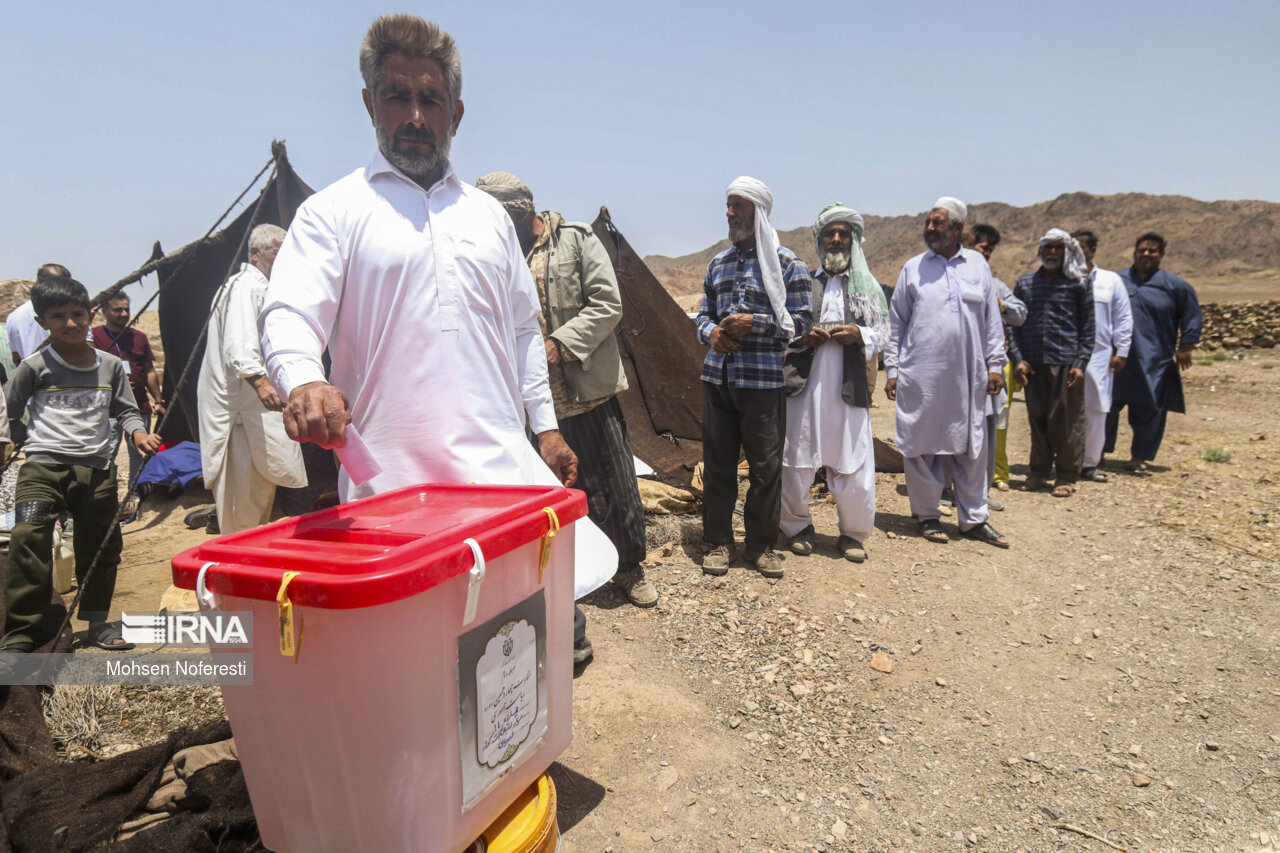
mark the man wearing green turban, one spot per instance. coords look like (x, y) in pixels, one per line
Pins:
(829, 395)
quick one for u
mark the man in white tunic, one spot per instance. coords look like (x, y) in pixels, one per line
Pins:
(1113, 324)
(25, 332)
(244, 451)
(945, 356)
(416, 283)
(828, 422)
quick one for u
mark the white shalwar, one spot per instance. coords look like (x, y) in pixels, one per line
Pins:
(244, 450)
(823, 431)
(1113, 320)
(427, 307)
(946, 336)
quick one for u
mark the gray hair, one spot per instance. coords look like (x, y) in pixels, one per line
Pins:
(416, 39)
(265, 236)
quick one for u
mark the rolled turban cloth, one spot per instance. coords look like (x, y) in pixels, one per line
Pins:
(766, 247)
(953, 206)
(1074, 264)
(511, 192)
(862, 287)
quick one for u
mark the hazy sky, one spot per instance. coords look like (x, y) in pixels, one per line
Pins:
(123, 123)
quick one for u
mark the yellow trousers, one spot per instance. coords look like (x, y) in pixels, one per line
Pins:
(1002, 455)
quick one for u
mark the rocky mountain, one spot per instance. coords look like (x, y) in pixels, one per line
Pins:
(1228, 250)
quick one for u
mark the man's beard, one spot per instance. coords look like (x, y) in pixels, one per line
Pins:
(836, 261)
(738, 233)
(935, 240)
(1051, 263)
(426, 168)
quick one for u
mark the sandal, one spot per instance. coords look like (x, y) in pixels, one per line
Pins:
(933, 532)
(986, 533)
(103, 636)
(1063, 490)
(1002, 485)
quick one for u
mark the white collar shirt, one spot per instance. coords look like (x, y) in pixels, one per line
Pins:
(430, 316)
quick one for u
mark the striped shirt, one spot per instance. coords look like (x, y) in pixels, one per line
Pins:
(733, 286)
(1059, 328)
(70, 408)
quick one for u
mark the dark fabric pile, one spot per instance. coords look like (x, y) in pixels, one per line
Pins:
(81, 806)
(48, 805)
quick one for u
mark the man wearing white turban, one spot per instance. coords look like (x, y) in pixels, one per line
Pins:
(945, 356)
(828, 422)
(1051, 349)
(756, 299)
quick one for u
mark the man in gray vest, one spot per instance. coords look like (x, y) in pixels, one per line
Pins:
(828, 417)
(581, 306)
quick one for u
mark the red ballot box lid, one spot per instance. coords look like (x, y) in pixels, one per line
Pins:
(379, 549)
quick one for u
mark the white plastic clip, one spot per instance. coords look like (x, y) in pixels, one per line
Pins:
(208, 599)
(473, 583)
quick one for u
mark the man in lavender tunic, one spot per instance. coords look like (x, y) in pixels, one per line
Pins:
(945, 356)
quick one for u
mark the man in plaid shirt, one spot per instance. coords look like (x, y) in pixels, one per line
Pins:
(756, 300)
(1051, 350)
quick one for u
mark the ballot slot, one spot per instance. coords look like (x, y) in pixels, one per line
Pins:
(353, 537)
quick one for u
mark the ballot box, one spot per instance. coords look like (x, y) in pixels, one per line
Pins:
(411, 660)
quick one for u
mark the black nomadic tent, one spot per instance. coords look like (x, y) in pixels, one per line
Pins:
(189, 279)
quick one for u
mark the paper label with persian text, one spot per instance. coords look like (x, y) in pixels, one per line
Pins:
(502, 710)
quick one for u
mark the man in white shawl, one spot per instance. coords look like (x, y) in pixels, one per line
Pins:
(828, 418)
(1113, 335)
(756, 300)
(945, 357)
(244, 450)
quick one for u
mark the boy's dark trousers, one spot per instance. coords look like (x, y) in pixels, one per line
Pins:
(44, 492)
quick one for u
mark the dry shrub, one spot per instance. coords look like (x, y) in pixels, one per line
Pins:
(96, 721)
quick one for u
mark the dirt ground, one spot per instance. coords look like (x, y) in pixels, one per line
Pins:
(1110, 682)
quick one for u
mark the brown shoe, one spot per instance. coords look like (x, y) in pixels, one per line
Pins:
(638, 589)
(716, 561)
(851, 549)
(767, 563)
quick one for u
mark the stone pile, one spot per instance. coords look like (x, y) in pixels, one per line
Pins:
(1240, 325)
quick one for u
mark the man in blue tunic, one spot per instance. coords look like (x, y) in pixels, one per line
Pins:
(1166, 328)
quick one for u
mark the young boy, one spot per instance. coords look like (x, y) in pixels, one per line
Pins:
(70, 388)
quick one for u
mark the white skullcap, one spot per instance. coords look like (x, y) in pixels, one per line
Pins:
(953, 206)
(775, 288)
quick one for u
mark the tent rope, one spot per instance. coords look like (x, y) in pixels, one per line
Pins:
(154, 265)
(186, 371)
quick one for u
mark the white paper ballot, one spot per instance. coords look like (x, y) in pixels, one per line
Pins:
(356, 458)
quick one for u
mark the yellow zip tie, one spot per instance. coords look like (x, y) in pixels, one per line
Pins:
(553, 527)
(289, 639)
